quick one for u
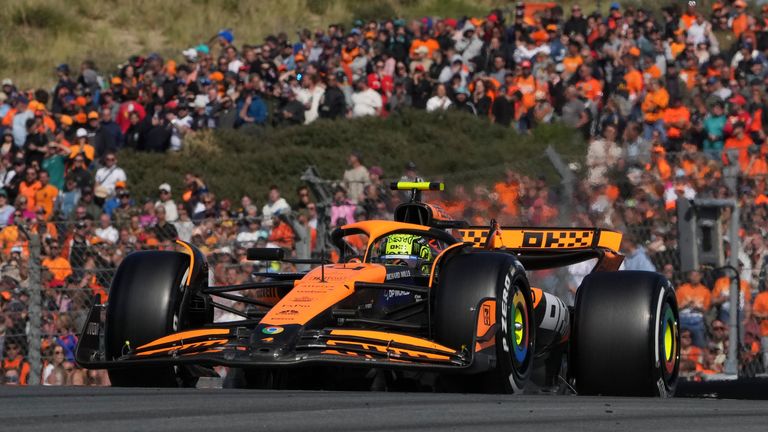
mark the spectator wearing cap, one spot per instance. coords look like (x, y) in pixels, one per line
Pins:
(166, 200)
(107, 176)
(82, 147)
(356, 178)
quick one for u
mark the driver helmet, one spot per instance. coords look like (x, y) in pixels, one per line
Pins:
(408, 249)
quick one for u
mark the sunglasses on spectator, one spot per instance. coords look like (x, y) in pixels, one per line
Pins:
(58, 352)
(686, 336)
(110, 159)
(13, 348)
(718, 328)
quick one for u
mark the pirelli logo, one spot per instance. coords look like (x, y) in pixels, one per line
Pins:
(557, 239)
(533, 239)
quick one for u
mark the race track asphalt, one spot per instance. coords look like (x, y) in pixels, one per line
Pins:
(117, 410)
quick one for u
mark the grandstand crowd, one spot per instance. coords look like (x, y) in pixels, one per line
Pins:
(672, 103)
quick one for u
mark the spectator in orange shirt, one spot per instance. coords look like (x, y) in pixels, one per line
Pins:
(756, 166)
(659, 165)
(591, 88)
(721, 296)
(654, 104)
(633, 77)
(13, 360)
(423, 41)
(29, 187)
(46, 195)
(694, 300)
(677, 119)
(760, 312)
(740, 21)
(56, 264)
(282, 234)
(740, 141)
(573, 60)
(691, 356)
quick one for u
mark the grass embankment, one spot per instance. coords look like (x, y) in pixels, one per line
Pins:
(452, 146)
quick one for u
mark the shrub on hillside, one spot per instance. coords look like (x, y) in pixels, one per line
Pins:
(451, 146)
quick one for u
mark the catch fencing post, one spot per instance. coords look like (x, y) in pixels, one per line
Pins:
(35, 300)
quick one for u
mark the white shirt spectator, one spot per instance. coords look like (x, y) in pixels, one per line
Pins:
(366, 103)
(280, 206)
(438, 103)
(108, 234)
(171, 214)
(106, 177)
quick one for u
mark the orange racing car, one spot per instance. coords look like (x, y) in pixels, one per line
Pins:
(429, 303)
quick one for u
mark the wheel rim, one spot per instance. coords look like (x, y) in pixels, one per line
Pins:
(519, 324)
(669, 338)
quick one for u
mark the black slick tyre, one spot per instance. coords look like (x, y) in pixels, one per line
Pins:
(144, 304)
(466, 283)
(625, 339)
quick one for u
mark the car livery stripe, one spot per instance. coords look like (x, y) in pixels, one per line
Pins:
(386, 350)
(189, 334)
(392, 337)
(188, 250)
(184, 347)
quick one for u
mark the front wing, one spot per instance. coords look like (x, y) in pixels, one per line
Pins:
(271, 347)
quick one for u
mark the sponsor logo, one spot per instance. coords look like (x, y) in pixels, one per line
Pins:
(304, 299)
(390, 294)
(272, 330)
(93, 329)
(399, 274)
(504, 302)
(268, 339)
(486, 314)
(288, 312)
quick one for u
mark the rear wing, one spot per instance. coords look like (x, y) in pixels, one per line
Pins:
(540, 248)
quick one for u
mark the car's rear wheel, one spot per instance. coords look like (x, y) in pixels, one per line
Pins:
(626, 340)
(145, 304)
(489, 287)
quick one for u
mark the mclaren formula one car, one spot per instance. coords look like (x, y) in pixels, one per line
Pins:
(426, 302)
